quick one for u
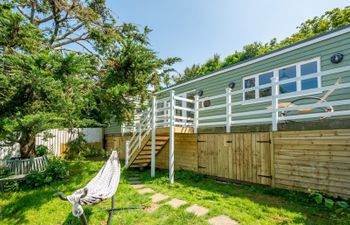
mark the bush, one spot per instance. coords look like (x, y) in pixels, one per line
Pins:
(41, 150)
(79, 148)
(56, 170)
(4, 172)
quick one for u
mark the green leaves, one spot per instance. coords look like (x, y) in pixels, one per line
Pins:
(329, 203)
(318, 198)
(329, 20)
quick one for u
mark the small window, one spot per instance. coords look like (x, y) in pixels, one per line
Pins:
(308, 68)
(249, 83)
(265, 78)
(249, 95)
(287, 73)
(309, 83)
(289, 87)
(265, 92)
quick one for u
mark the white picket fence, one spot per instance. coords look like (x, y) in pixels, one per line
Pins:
(58, 137)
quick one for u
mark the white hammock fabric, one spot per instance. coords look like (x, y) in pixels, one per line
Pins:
(101, 187)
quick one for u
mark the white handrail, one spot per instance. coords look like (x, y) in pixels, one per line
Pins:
(270, 112)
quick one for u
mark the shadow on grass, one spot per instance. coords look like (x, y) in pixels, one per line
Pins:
(72, 220)
(264, 196)
(15, 211)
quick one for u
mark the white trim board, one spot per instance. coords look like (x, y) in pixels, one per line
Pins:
(269, 55)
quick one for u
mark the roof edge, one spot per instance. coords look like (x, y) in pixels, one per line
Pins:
(289, 48)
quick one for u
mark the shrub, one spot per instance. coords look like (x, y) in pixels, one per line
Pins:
(41, 150)
(76, 147)
(56, 170)
(79, 148)
(4, 172)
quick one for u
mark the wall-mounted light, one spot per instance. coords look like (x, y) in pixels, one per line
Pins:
(337, 58)
(232, 85)
(200, 92)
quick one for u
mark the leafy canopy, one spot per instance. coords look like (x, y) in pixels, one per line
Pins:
(328, 21)
(70, 64)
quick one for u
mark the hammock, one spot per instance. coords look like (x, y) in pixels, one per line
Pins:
(102, 186)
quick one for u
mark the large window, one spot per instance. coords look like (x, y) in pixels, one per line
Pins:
(293, 78)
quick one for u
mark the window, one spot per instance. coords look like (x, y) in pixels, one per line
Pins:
(293, 78)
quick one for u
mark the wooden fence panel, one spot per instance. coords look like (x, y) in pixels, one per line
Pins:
(316, 160)
(186, 153)
(116, 143)
(237, 156)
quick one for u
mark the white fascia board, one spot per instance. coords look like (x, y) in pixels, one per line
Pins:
(269, 55)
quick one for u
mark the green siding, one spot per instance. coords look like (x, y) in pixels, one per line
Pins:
(216, 85)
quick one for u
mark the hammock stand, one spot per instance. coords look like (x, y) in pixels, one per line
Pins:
(101, 187)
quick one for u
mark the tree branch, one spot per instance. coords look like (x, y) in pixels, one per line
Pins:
(44, 20)
(69, 32)
(23, 13)
(71, 40)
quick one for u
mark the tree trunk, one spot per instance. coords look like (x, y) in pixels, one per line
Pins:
(27, 146)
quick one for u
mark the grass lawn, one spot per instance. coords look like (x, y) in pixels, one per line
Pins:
(248, 204)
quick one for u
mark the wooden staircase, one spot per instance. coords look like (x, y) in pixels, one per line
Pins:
(142, 156)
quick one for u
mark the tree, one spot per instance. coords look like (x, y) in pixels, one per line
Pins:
(329, 20)
(69, 64)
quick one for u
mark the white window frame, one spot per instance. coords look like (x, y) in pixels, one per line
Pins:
(298, 78)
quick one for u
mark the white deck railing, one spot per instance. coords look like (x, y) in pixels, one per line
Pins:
(175, 110)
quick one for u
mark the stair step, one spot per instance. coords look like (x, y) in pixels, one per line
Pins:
(141, 161)
(149, 147)
(158, 138)
(147, 153)
(143, 157)
(159, 143)
(138, 165)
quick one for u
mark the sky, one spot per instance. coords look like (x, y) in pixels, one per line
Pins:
(195, 30)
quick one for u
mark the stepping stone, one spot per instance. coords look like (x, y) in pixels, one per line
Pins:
(197, 210)
(222, 220)
(152, 208)
(135, 182)
(158, 197)
(133, 179)
(145, 191)
(138, 186)
(176, 203)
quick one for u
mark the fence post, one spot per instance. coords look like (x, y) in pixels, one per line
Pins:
(153, 151)
(171, 137)
(228, 110)
(127, 150)
(274, 105)
(196, 113)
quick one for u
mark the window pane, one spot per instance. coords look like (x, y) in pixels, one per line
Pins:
(249, 95)
(287, 73)
(309, 83)
(309, 68)
(249, 83)
(289, 87)
(264, 92)
(265, 78)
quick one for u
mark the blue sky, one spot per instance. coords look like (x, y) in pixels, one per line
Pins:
(195, 30)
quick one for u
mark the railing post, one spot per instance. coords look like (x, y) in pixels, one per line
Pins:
(274, 105)
(140, 131)
(171, 137)
(127, 150)
(153, 151)
(228, 110)
(196, 113)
